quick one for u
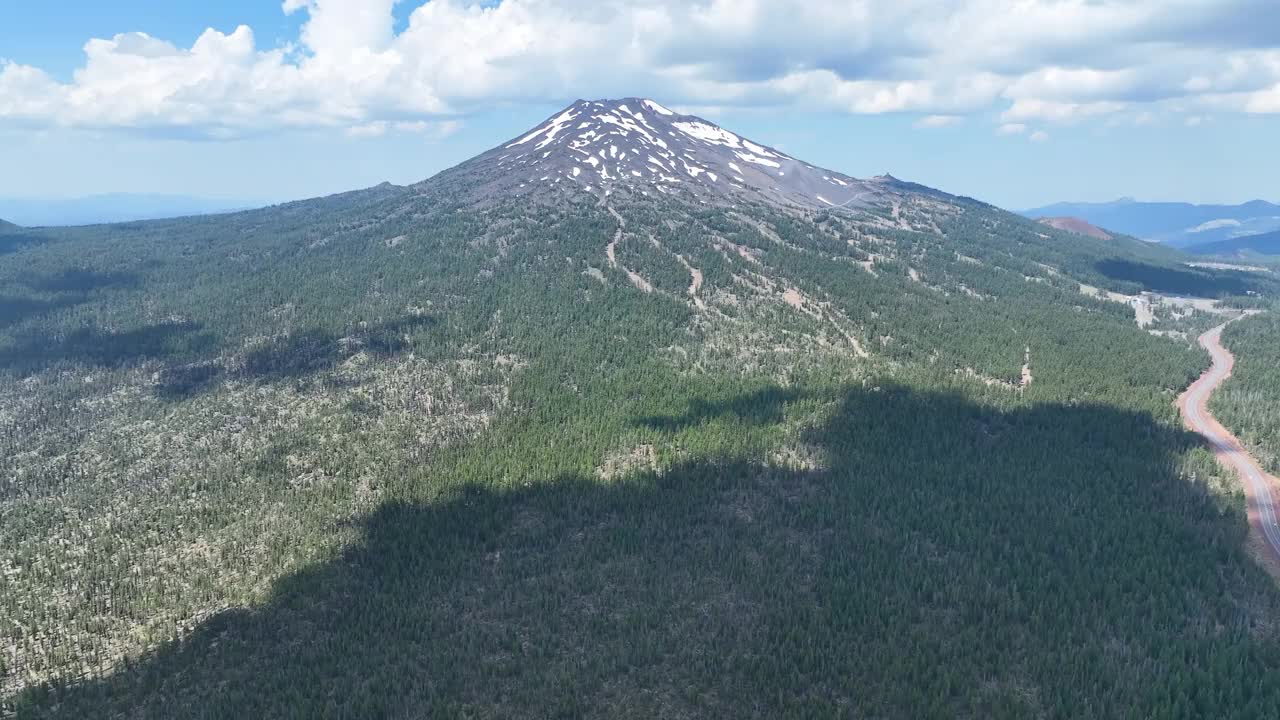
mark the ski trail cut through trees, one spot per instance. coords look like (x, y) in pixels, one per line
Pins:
(610, 252)
(695, 282)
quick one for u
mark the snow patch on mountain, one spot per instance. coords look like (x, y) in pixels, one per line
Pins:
(550, 130)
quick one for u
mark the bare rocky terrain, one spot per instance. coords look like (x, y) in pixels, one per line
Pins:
(1075, 225)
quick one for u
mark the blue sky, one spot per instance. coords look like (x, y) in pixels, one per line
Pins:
(1061, 100)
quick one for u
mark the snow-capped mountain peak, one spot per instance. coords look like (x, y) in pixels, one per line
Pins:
(636, 144)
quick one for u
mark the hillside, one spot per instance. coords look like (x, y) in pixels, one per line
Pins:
(614, 421)
(1173, 223)
(1262, 244)
(1075, 225)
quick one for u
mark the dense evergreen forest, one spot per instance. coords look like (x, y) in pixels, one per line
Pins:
(1249, 402)
(387, 455)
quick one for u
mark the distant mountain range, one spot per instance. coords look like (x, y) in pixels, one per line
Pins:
(1261, 244)
(112, 208)
(1172, 223)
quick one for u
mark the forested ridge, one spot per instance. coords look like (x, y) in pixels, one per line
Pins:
(389, 454)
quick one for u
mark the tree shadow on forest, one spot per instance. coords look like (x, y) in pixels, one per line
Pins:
(947, 559)
(1199, 282)
(297, 356)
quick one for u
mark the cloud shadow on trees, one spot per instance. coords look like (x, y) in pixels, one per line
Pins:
(96, 347)
(1200, 282)
(16, 309)
(298, 356)
(947, 559)
(13, 241)
(80, 280)
(762, 407)
(68, 288)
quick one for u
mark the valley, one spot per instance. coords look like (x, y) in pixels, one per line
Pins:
(629, 416)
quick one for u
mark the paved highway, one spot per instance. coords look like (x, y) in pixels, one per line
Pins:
(1258, 485)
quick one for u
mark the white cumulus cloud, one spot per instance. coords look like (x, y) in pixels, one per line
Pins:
(1037, 61)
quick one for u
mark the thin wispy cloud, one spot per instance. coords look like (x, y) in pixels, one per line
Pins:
(938, 121)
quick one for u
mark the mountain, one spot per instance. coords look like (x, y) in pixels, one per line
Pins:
(6, 225)
(641, 146)
(577, 429)
(1075, 225)
(1261, 244)
(1177, 224)
(112, 208)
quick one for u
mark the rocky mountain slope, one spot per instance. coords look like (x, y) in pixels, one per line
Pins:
(639, 146)
(577, 428)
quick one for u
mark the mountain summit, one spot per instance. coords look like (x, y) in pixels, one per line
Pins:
(638, 145)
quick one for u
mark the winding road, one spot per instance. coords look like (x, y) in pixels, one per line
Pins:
(1258, 484)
